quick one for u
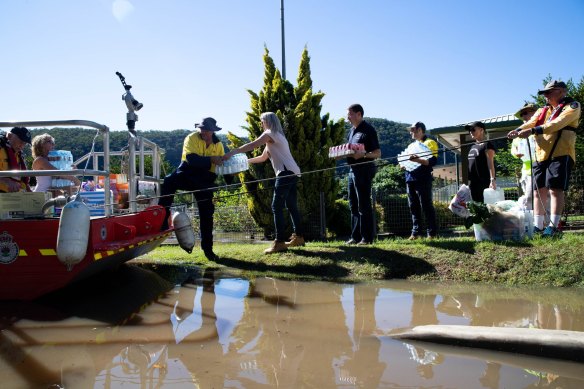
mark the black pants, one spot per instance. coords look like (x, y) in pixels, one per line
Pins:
(189, 182)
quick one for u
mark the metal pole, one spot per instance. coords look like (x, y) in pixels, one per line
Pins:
(283, 41)
(457, 170)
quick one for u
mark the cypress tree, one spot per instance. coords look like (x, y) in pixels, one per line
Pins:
(309, 136)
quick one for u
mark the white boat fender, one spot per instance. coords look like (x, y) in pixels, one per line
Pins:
(183, 229)
(73, 234)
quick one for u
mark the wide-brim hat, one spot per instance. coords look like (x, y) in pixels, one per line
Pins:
(208, 124)
(23, 134)
(555, 84)
(526, 107)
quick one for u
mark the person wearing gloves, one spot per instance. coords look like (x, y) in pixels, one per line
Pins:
(554, 127)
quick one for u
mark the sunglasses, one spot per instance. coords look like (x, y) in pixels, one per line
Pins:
(472, 129)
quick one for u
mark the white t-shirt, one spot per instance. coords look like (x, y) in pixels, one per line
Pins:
(280, 155)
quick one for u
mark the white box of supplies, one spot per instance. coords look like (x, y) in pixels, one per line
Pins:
(22, 204)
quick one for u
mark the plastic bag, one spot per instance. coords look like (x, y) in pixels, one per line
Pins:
(458, 203)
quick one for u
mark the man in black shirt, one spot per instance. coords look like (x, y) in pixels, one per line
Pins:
(362, 171)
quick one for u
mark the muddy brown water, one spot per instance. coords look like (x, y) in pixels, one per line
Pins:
(178, 328)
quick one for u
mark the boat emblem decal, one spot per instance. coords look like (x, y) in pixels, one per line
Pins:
(8, 249)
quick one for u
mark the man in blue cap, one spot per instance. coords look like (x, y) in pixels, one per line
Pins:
(11, 158)
(202, 151)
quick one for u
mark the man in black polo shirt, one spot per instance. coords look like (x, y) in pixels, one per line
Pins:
(362, 171)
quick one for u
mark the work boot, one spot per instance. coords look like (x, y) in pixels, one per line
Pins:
(276, 247)
(295, 240)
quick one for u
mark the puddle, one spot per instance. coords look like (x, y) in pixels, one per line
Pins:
(183, 329)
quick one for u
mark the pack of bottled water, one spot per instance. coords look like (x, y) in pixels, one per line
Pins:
(414, 148)
(236, 164)
(61, 160)
(345, 149)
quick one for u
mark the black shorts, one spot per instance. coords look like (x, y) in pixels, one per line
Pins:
(553, 173)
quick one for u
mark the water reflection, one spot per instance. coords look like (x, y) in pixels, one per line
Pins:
(183, 328)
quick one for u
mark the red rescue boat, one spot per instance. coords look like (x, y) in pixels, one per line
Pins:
(30, 261)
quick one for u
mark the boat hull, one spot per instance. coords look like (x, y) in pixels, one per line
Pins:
(30, 267)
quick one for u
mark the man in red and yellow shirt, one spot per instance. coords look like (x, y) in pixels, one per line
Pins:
(554, 127)
(202, 151)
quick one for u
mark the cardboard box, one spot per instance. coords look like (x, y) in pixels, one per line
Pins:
(22, 204)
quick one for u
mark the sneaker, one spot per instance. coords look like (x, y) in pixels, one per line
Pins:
(295, 240)
(430, 236)
(211, 256)
(414, 237)
(351, 241)
(276, 247)
(364, 243)
(537, 231)
(551, 232)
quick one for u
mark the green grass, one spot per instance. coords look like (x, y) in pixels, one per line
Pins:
(537, 262)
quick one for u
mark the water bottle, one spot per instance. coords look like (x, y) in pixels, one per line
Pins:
(493, 195)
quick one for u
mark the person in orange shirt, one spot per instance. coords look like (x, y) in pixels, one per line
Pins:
(554, 127)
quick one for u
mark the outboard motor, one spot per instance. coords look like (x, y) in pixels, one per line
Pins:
(73, 235)
(183, 229)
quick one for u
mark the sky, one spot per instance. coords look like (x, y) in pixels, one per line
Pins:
(442, 62)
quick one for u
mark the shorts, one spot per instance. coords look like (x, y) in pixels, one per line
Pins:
(553, 173)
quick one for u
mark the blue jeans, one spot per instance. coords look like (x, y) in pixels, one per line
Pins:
(285, 193)
(420, 198)
(359, 188)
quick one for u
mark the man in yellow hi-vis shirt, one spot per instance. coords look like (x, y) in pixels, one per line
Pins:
(202, 151)
(554, 127)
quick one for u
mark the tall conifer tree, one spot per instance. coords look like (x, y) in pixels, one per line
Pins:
(309, 136)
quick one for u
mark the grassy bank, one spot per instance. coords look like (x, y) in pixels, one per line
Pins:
(534, 262)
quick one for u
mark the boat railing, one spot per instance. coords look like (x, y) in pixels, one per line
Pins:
(137, 147)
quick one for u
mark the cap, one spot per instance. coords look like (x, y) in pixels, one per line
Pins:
(555, 84)
(22, 133)
(474, 124)
(526, 108)
(418, 125)
(208, 124)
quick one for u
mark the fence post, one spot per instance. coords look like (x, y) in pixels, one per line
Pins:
(322, 217)
(374, 204)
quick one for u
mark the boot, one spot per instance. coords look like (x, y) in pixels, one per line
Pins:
(276, 247)
(295, 240)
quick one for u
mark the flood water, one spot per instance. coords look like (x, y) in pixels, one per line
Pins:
(183, 329)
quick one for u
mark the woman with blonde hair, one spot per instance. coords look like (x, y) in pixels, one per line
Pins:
(41, 146)
(287, 173)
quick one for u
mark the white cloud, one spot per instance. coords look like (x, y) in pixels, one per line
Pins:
(121, 9)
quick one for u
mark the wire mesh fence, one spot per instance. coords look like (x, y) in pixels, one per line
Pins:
(234, 223)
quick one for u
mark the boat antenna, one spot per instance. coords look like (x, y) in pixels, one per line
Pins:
(132, 104)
